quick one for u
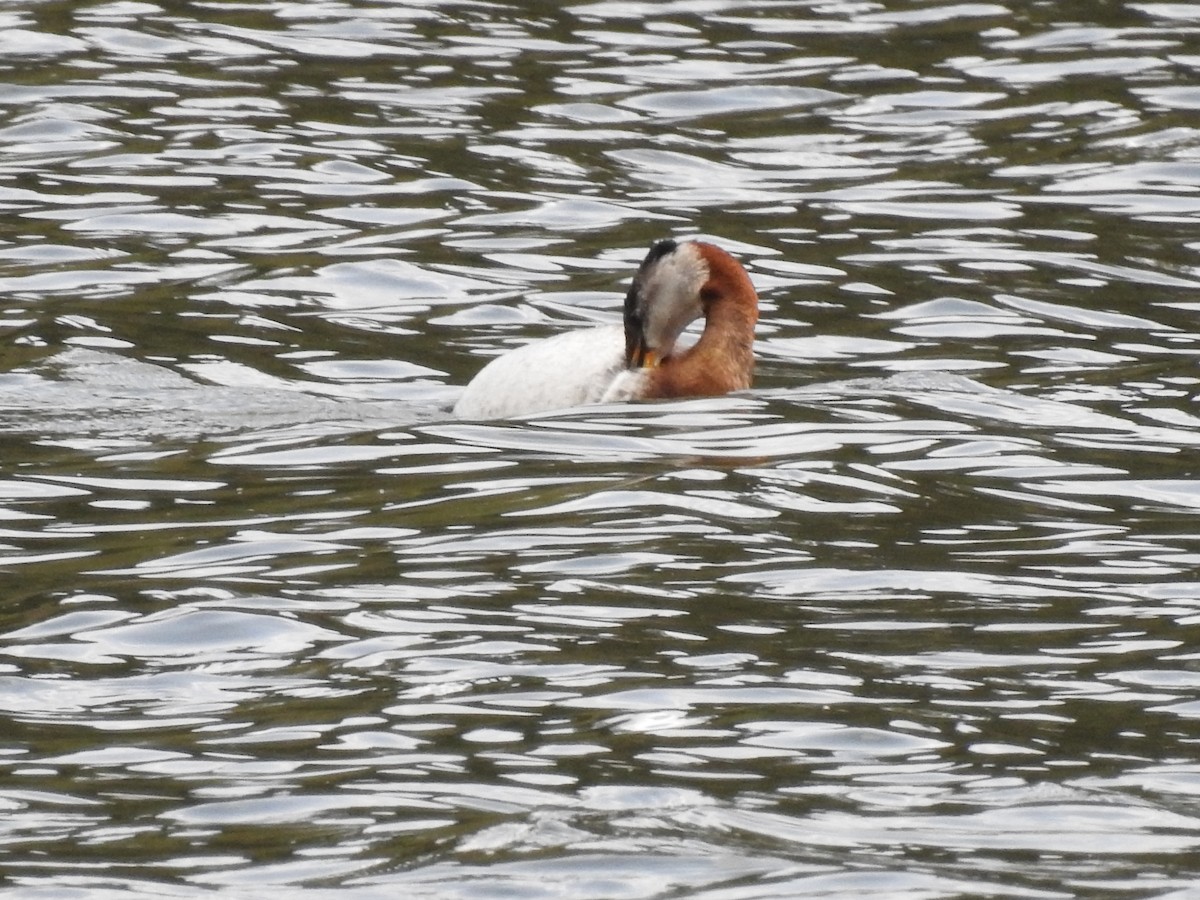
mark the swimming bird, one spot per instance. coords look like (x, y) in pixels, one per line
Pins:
(677, 283)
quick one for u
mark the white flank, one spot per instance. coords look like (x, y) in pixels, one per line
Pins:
(570, 369)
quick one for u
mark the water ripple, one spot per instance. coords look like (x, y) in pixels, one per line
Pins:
(911, 617)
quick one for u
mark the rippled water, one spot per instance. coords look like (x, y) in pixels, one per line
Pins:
(916, 617)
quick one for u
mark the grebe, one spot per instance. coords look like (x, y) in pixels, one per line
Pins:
(675, 285)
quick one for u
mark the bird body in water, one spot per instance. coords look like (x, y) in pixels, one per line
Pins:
(677, 283)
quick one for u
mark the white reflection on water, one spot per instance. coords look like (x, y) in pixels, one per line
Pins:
(911, 618)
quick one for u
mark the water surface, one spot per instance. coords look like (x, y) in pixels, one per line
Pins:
(915, 617)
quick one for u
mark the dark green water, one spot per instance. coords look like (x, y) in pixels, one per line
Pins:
(916, 617)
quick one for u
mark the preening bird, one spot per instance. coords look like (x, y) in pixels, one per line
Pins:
(677, 283)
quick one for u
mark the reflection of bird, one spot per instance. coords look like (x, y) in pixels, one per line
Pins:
(675, 285)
